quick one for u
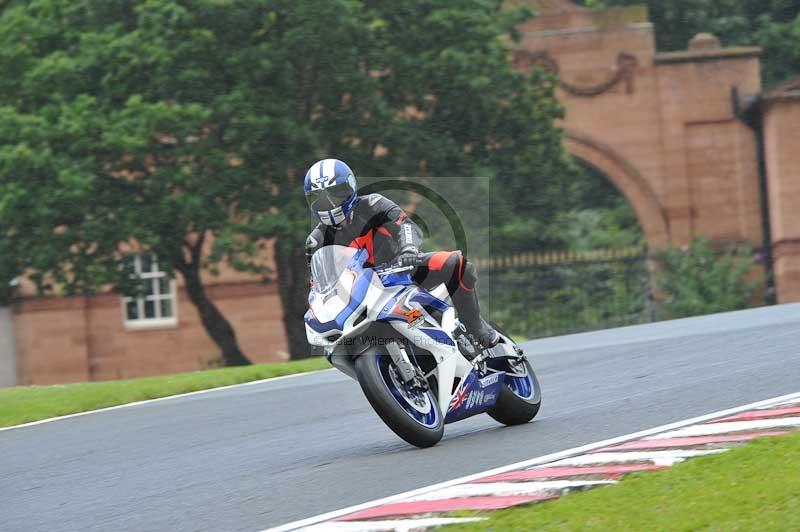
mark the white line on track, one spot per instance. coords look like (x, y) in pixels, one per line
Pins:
(661, 458)
(731, 427)
(533, 462)
(404, 525)
(166, 398)
(508, 489)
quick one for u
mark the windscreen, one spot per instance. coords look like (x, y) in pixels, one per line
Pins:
(327, 265)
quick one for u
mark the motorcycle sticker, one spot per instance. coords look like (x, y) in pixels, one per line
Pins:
(415, 318)
(461, 395)
(474, 394)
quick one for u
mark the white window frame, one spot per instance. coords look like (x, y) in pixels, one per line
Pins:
(157, 322)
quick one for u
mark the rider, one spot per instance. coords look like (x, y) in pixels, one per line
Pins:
(380, 226)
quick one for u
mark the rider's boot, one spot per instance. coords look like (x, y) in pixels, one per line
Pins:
(469, 312)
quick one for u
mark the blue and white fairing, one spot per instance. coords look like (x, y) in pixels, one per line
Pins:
(432, 309)
(341, 291)
(333, 307)
(346, 298)
(474, 395)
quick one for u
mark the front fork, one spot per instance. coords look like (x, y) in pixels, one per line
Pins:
(445, 373)
(450, 362)
(410, 374)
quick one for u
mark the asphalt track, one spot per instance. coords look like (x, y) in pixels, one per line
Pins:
(252, 457)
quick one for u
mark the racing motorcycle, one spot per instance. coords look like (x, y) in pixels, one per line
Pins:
(415, 362)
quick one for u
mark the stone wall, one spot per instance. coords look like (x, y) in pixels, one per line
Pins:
(661, 126)
(709, 177)
(781, 121)
(8, 356)
(51, 341)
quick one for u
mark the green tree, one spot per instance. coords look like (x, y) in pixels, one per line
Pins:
(700, 280)
(773, 24)
(188, 125)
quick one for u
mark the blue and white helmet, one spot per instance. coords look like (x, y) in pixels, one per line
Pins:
(331, 191)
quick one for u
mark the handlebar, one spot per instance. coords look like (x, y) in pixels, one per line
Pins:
(391, 267)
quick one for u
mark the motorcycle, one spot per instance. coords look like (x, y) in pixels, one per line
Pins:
(417, 365)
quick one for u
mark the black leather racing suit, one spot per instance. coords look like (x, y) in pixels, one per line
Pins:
(381, 227)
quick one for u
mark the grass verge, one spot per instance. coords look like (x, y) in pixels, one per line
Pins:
(23, 404)
(754, 487)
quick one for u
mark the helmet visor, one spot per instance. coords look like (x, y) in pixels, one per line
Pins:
(329, 198)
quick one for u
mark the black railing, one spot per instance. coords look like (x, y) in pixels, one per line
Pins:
(547, 294)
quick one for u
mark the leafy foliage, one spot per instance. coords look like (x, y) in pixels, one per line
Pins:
(593, 215)
(187, 125)
(700, 280)
(568, 297)
(598, 228)
(773, 24)
(585, 211)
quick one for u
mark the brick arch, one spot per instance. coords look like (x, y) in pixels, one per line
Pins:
(627, 179)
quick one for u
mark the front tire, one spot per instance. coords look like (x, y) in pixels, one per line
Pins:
(422, 424)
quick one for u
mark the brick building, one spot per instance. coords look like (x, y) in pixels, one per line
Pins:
(70, 339)
(690, 138)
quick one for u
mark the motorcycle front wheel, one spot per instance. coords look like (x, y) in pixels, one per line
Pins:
(413, 415)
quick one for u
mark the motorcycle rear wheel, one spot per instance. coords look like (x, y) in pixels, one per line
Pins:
(419, 426)
(514, 409)
(520, 397)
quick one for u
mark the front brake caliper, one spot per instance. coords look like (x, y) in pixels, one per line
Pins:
(405, 370)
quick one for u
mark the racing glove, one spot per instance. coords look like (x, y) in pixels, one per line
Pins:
(409, 256)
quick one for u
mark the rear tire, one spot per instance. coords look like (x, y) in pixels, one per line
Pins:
(511, 409)
(371, 369)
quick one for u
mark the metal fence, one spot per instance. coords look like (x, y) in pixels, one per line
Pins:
(545, 294)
